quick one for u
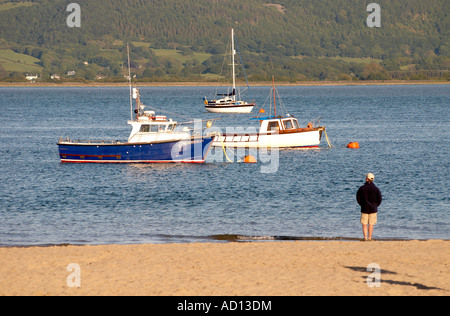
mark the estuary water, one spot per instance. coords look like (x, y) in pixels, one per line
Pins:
(403, 132)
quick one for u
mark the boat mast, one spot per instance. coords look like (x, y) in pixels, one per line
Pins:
(274, 99)
(129, 80)
(233, 52)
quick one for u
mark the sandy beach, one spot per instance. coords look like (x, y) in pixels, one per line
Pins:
(288, 268)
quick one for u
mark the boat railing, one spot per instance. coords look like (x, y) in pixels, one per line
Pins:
(80, 141)
(194, 128)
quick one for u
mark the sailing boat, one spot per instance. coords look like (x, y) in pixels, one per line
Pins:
(277, 131)
(229, 103)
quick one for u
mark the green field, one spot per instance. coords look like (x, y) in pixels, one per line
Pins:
(12, 61)
(12, 5)
(140, 44)
(176, 54)
(356, 60)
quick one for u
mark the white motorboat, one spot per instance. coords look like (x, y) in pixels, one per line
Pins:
(274, 132)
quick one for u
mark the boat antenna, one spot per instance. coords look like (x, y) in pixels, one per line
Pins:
(129, 80)
(274, 98)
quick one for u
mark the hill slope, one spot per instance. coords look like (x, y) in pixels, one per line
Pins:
(288, 38)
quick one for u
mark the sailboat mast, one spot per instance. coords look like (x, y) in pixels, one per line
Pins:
(233, 52)
(274, 98)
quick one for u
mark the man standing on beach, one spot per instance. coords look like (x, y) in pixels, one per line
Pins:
(369, 198)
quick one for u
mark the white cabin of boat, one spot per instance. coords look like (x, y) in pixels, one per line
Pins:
(148, 127)
(155, 128)
(278, 124)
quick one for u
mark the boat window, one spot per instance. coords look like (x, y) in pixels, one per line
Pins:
(288, 124)
(170, 127)
(295, 123)
(145, 128)
(155, 128)
(273, 126)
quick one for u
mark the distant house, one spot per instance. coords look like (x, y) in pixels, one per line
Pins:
(71, 73)
(129, 78)
(55, 77)
(31, 77)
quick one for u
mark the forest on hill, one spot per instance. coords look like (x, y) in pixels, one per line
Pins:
(185, 40)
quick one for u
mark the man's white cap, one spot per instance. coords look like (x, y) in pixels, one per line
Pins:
(370, 176)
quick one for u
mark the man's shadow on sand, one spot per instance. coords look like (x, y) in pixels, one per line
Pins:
(384, 272)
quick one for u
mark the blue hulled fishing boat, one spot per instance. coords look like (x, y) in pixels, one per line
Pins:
(153, 139)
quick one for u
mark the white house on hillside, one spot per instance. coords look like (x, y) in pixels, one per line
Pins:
(31, 77)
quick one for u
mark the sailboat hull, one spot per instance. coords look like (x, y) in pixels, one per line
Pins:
(232, 108)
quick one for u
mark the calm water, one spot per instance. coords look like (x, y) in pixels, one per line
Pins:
(404, 133)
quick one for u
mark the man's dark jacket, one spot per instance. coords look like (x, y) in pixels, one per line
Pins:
(369, 197)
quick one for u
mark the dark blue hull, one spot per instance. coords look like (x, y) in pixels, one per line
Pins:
(192, 150)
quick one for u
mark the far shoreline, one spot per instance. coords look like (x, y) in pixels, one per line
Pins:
(214, 84)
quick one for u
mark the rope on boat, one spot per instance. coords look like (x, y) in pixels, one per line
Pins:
(328, 140)
(224, 148)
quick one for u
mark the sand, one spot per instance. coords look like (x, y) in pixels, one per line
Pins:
(287, 268)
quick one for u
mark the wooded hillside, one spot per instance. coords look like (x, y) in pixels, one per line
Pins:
(186, 39)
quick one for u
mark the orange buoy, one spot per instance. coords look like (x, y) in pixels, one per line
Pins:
(249, 159)
(353, 145)
(262, 111)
